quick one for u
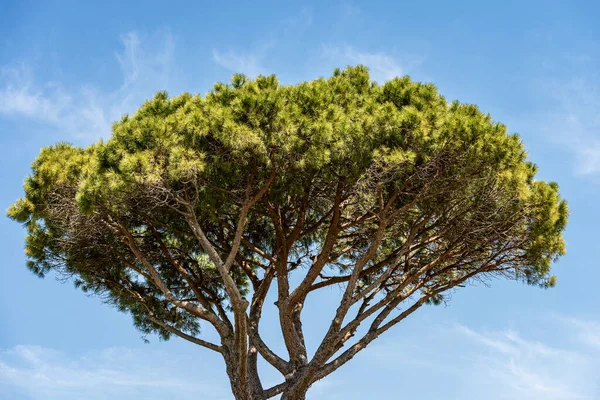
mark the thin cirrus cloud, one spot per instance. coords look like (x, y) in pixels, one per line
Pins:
(246, 63)
(521, 368)
(86, 111)
(503, 364)
(383, 67)
(36, 372)
(49, 103)
(254, 62)
(588, 331)
(575, 121)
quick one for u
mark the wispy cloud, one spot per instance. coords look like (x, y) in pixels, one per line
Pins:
(528, 369)
(259, 58)
(587, 331)
(249, 64)
(116, 373)
(86, 111)
(21, 96)
(575, 123)
(501, 364)
(350, 10)
(255, 61)
(383, 67)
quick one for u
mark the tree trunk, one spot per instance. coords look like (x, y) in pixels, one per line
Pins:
(294, 395)
(249, 386)
(248, 390)
(297, 387)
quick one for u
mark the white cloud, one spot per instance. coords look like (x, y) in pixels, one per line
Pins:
(248, 64)
(86, 111)
(576, 122)
(497, 364)
(527, 369)
(587, 331)
(253, 62)
(383, 67)
(116, 373)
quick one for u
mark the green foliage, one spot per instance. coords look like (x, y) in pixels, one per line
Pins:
(374, 139)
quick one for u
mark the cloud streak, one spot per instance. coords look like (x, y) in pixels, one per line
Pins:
(248, 64)
(118, 373)
(575, 122)
(527, 369)
(253, 62)
(587, 331)
(383, 67)
(86, 111)
(499, 364)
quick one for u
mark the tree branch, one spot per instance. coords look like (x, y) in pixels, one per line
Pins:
(187, 337)
(322, 258)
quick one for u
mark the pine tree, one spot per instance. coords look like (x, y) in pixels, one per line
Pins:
(197, 207)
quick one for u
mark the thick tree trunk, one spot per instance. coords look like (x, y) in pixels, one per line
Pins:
(297, 387)
(294, 395)
(248, 386)
(251, 387)
(248, 389)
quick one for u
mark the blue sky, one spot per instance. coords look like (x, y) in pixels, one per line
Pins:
(68, 69)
